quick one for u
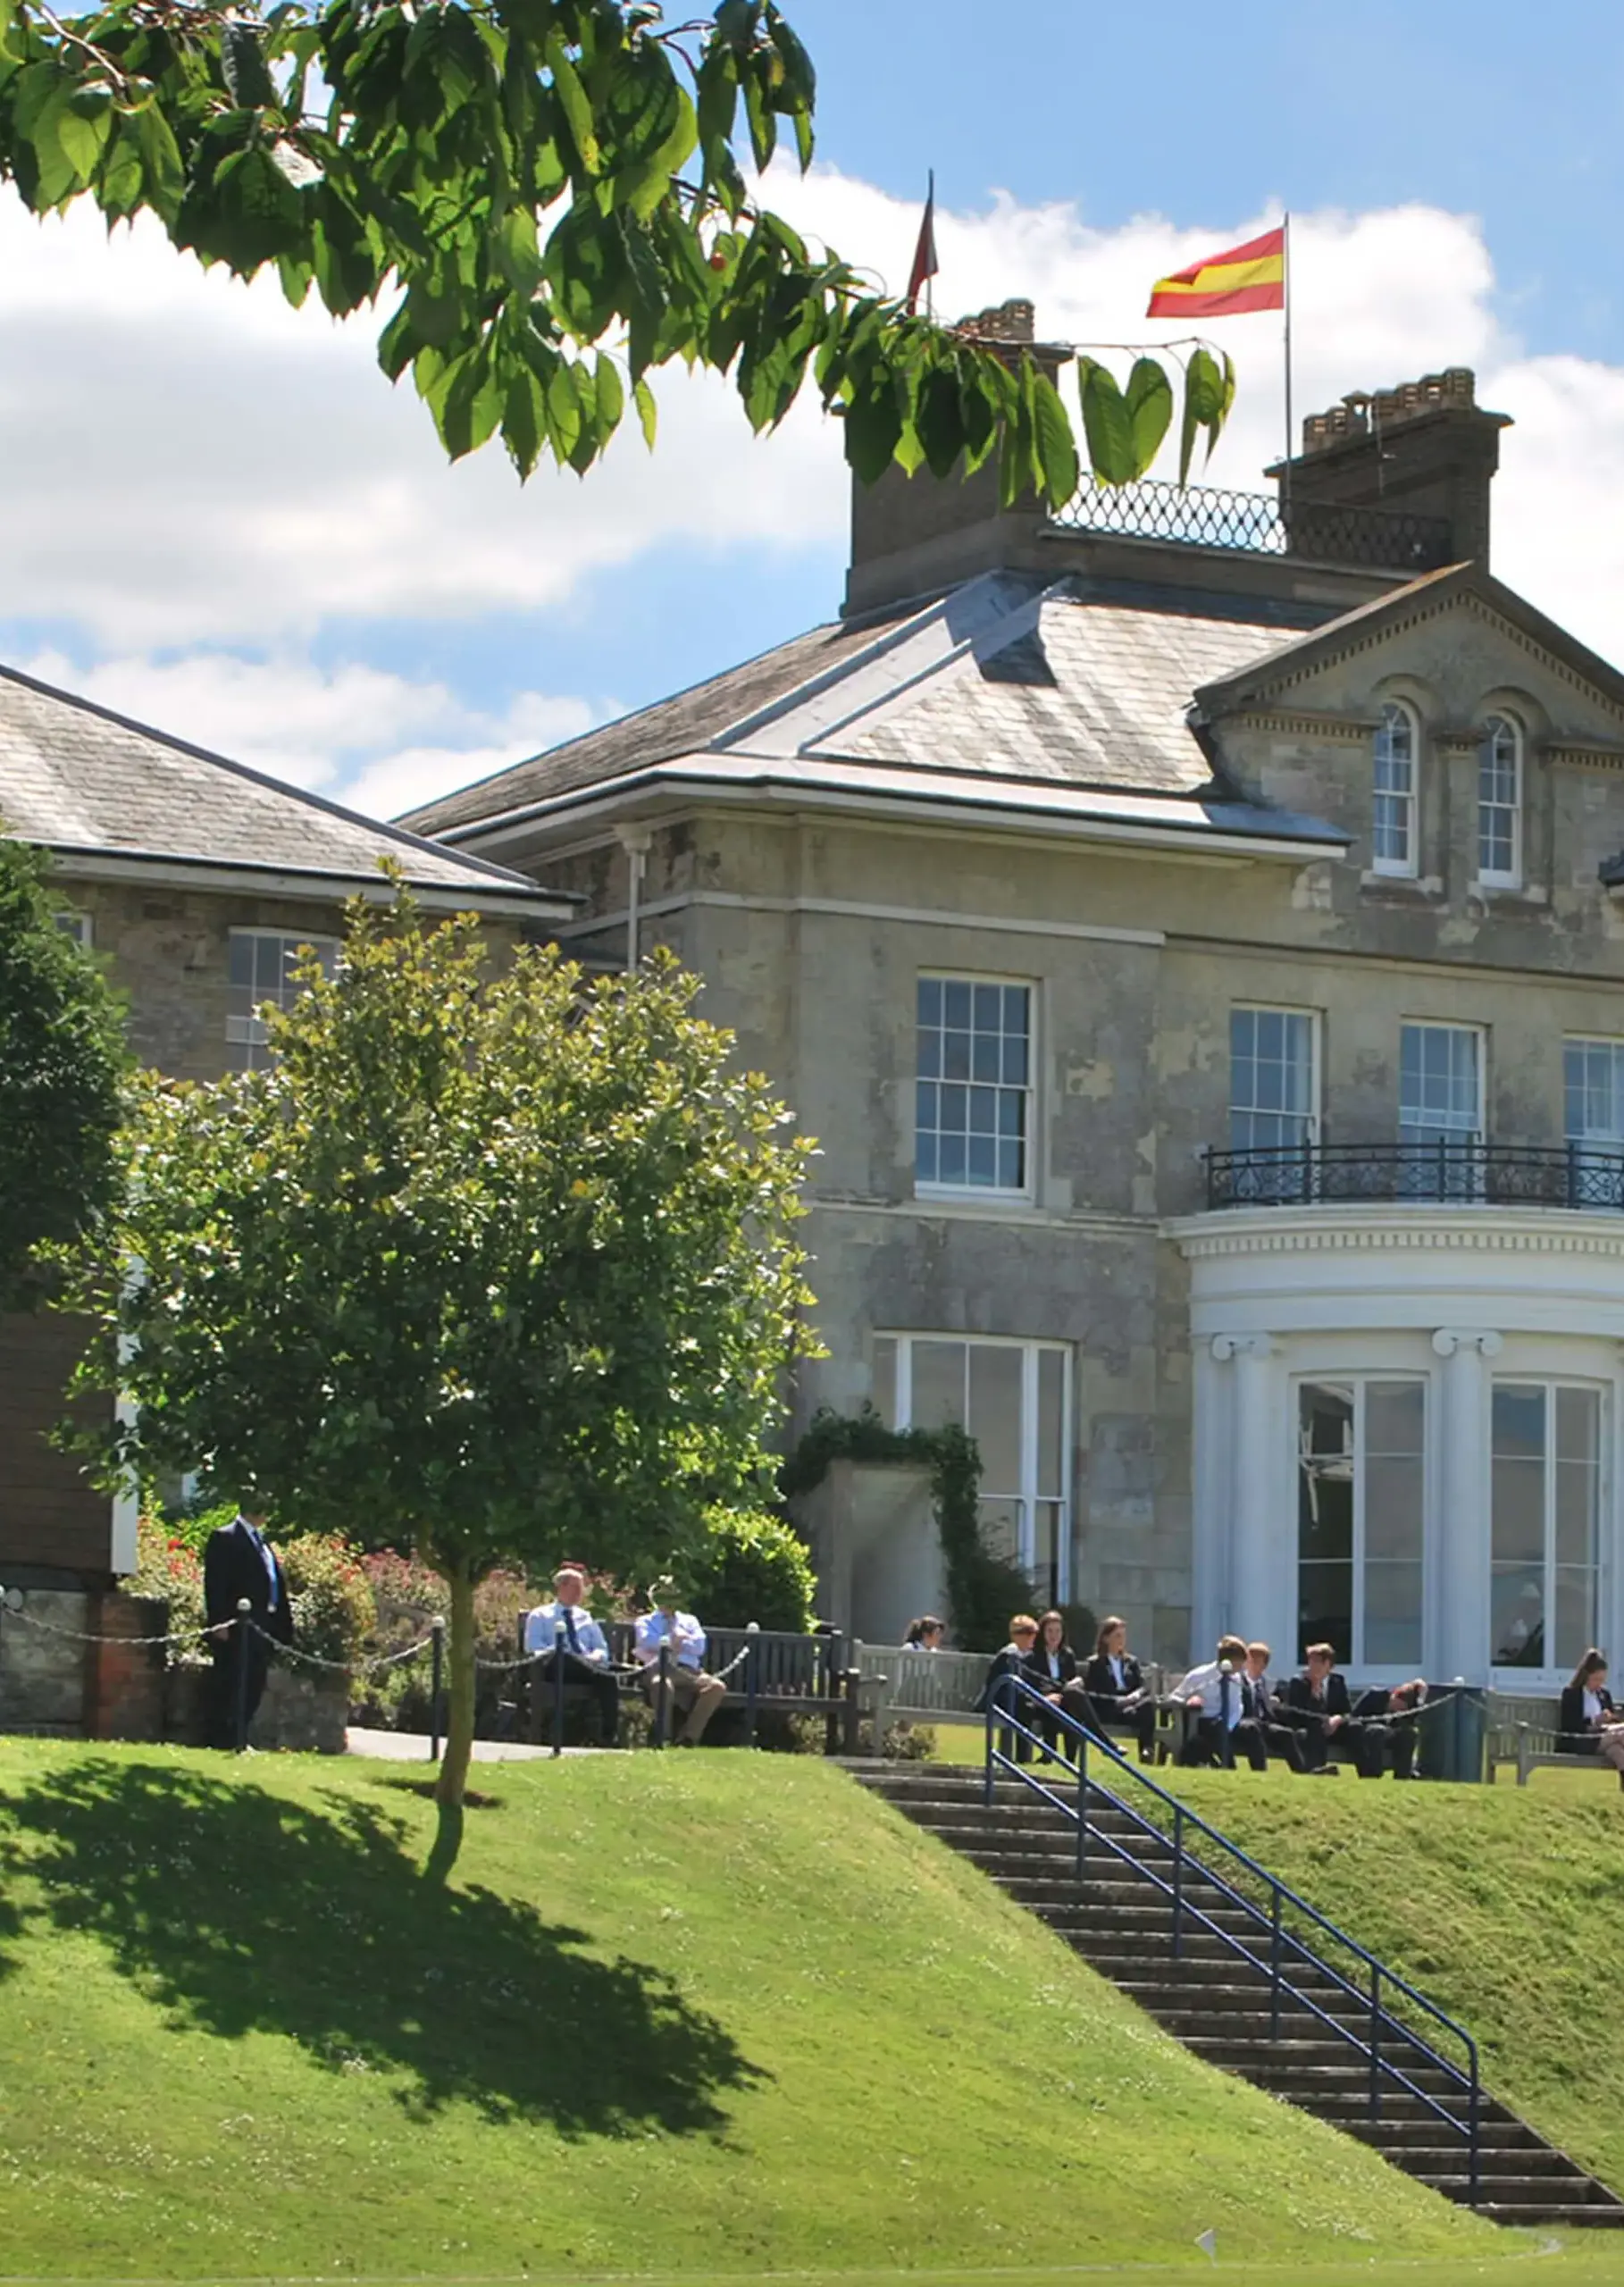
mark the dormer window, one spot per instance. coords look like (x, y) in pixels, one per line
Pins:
(1393, 817)
(1500, 803)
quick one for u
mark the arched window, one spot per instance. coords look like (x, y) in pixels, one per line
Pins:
(1393, 817)
(1500, 803)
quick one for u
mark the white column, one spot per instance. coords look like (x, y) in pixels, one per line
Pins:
(1254, 1569)
(1458, 1635)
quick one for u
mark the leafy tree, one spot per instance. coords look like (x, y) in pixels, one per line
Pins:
(550, 195)
(62, 1067)
(498, 1265)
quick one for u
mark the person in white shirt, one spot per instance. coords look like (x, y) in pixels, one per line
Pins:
(696, 1694)
(1217, 1710)
(566, 1631)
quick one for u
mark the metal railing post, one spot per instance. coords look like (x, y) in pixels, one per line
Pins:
(436, 1652)
(661, 1693)
(1274, 1970)
(243, 1609)
(1082, 1809)
(991, 1718)
(559, 1642)
(1473, 2133)
(1375, 2039)
(1178, 1878)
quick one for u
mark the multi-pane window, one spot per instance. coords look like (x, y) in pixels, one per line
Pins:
(1393, 817)
(1593, 1076)
(261, 968)
(1271, 1079)
(1500, 802)
(1361, 1508)
(1440, 1084)
(75, 925)
(1014, 1398)
(973, 1093)
(1546, 1498)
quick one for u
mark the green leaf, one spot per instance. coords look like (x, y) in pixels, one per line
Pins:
(1107, 423)
(1055, 448)
(577, 108)
(1206, 403)
(242, 60)
(647, 412)
(611, 399)
(161, 162)
(874, 430)
(1149, 406)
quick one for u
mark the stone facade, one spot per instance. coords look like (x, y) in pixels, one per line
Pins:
(815, 898)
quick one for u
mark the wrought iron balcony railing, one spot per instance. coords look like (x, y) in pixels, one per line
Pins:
(1204, 516)
(1458, 1171)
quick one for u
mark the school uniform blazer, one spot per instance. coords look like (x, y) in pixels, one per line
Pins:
(1574, 1735)
(1038, 1670)
(1300, 1707)
(1100, 1682)
(1006, 1662)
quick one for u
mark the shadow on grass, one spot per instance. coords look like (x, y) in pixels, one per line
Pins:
(237, 1912)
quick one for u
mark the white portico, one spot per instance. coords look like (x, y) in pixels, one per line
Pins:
(1407, 1434)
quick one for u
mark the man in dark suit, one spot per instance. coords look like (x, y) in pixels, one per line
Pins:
(1317, 1705)
(1385, 1719)
(238, 1561)
(1258, 1707)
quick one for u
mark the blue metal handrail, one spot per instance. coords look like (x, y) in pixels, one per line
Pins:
(1009, 1690)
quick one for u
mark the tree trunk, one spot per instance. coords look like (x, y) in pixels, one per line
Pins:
(459, 1727)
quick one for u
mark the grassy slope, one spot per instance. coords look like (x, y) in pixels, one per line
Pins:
(1502, 1904)
(689, 2014)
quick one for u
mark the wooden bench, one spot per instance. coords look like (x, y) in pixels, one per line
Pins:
(777, 1672)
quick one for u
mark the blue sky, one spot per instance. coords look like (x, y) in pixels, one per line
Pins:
(228, 524)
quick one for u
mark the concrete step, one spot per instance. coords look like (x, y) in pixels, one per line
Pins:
(1570, 2218)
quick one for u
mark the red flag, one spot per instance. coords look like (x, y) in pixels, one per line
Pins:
(1251, 277)
(924, 253)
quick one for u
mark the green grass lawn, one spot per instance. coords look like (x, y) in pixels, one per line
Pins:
(679, 2015)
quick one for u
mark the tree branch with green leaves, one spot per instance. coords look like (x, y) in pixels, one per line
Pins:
(550, 198)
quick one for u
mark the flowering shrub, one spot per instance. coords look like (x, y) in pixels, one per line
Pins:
(335, 1615)
(408, 1594)
(166, 1567)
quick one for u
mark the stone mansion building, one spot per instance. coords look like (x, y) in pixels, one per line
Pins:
(1191, 926)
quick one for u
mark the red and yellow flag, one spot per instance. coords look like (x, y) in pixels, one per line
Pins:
(1251, 277)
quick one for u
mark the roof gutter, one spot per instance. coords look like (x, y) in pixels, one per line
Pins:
(169, 870)
(1199, 839)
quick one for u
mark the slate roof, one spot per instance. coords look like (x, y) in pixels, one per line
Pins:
(1095, 694)
(75, 777)
(1074, 682)
(690, 721)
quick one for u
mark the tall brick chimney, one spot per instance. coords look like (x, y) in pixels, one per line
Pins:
(1426, 449)
(913, 536)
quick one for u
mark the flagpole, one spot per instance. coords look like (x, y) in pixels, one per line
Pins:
(1286, 272)
(930, 208)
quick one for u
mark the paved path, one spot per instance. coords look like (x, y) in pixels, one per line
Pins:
(412, 1746)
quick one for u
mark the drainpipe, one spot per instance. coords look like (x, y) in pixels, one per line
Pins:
(636, 841)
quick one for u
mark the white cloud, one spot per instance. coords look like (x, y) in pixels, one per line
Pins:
(196, 470)
(383, 743)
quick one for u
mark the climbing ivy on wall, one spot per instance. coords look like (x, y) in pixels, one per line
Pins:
(983, 1588)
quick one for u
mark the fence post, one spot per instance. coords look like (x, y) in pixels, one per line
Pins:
(1178, 1878)
(1274, 1972)
(243, 1609)
(1082, 1747)
(834, 1672)
(437, 1654)
(662, 1692)
(751, 1682)
(854, 1711)
(559, 1649)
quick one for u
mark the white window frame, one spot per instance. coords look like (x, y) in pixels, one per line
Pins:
(1406, 868)
(1550, 1675)
(1312, 1116)
(1491, 877)
(1476, 1133)
(1611, 1138)
(1027, 1493)
(1005, 1193)
(1359, 1379)
(245, 1035)
(76, 924)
